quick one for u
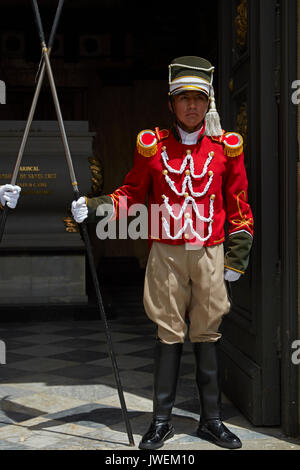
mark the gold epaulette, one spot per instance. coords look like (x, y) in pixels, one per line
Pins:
(233, 144)
(146, 143)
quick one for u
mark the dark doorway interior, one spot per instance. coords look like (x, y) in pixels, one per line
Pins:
(114, 42)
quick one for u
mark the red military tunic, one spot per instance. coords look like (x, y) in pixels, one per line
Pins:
(196, 186)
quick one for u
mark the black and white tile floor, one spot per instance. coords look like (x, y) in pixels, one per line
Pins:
(57, 389)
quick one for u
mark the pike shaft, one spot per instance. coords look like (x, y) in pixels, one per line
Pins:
(89, 250)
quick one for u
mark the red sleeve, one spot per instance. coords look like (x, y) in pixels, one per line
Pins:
(135, 188)
(235, 191)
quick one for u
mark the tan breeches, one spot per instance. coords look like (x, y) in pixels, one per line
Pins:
(180, 282)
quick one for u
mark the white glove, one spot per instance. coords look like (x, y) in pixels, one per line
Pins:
(9, 194)
(231, 275)
(79, 210)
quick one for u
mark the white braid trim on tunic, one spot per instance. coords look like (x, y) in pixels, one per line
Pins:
(188, 182)
(184, 164)
(183, 208)
(189, 222)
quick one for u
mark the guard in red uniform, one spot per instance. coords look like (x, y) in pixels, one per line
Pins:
(195, 174)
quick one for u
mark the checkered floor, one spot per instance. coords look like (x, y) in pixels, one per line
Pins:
(57, 388)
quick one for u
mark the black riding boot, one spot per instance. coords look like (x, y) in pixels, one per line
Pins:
(211, 427)
(167, 362)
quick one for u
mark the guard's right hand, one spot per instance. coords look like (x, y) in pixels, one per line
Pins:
(79, 210)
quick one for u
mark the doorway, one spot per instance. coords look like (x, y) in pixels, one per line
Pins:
(108, 64)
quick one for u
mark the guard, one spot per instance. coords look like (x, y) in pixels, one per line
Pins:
(195, 171)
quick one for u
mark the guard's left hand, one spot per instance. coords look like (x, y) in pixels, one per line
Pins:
(9, 194)
(231, 275)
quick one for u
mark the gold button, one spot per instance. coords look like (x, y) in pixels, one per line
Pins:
(164, 148)
(186, 195)
(186, 236)
(211, 154)
(213, 197)
(187, 215)
(188, 152)
(165, 172)
(187, 172)
(210, 173)
(163, 196)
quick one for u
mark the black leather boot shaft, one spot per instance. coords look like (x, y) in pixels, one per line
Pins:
(207, 378)
(167, 363)
(211, 427)
(166, 370)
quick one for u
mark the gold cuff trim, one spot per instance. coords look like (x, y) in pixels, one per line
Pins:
(233, 269)
(219, 241)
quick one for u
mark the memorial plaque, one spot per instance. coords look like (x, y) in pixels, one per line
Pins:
(36, 232)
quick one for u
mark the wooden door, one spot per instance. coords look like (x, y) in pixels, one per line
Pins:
(248, 102)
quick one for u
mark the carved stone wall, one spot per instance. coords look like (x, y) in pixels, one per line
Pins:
(42, 261)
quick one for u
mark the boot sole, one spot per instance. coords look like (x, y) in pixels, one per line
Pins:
(208, 437)
(158, 444)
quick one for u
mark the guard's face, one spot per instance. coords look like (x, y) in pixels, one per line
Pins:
(190, 108)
